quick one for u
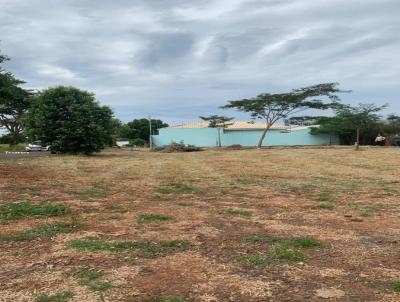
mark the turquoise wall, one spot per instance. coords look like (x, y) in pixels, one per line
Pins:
(208, 137)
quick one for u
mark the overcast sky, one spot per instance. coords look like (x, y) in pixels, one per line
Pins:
(178, 59)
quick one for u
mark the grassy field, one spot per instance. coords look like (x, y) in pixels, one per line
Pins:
(243, 225)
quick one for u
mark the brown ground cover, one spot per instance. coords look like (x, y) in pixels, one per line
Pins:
(217, 225)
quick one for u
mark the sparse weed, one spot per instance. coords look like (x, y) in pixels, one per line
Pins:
(395, 286)
(241, 213)
(90, 278)
(148, 249)
(98, 244)
(285, 253)
(177, 188)
(325, 206)
(185, 204)
(296, 242)
(116, 208)
(147, 218)
(58, 297)
(325, 197)
(19, 210)
(254, 261)
(43, 231)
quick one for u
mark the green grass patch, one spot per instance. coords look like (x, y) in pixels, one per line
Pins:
(151, 250)
(19, 210)
(58, 297)
(148, 249)
(166, 299)
(91, 278)
(185, 204)
(43, 231)
(89, 194)
(98, 244)
(285, 253)
(241, 213)
(116, 208)
(325, 206)
(174, 300)
(255, 261)
(177, 188)
(148, 218)
(395, 286)
(159, 198)
(295, 242)
(325, 197)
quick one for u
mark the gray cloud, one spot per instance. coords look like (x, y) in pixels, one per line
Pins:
(179, 59)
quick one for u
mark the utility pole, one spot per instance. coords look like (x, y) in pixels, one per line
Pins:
(358, 139)
(150, 138)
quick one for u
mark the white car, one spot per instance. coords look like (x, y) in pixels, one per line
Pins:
(36, 146)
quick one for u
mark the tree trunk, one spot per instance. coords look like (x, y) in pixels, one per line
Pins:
(358, 139)
(264, 133)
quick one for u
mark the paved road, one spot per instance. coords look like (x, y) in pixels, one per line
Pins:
(12, 154)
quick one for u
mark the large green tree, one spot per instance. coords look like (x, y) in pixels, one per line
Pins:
(274, 107)
(347, 120)
(14, 101)
(70, 120)
(140, 128)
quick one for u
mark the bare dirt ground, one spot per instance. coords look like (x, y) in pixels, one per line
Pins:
(229, 225)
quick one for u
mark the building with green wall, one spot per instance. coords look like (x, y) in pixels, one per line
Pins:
(246, 134)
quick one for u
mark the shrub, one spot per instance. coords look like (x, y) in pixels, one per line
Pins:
(137, 142)
(178, 147)
(234, 147)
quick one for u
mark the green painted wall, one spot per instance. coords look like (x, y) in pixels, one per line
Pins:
(208, 137)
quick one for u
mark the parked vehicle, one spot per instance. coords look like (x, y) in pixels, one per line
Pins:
(36, 146)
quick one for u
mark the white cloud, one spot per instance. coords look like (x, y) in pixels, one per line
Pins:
(182, 57)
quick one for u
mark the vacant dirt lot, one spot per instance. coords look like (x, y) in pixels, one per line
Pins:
(243, 225)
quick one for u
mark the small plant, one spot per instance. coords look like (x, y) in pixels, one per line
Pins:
(90, 194)
(151, 250)
(242, 213)
(174, 300)
(44, 231)
(185, 204)
(116, 208)
(325, 196)
(90, 278)
(58, 297)
(395, 286)
(284, 253)
(177, 147)
(325, 206)
(159, 198)
(177, 188)
(19, 210)
(148, 249)
(97, 244)
(296, 242)
(368, 211)
(148, 218)
(255, 261)
(137, 142)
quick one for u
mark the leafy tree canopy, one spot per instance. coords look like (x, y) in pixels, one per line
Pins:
(273, 107)
(348, 119)
(14, 101)
(70, 120)
(140, 128)
(217, 121)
